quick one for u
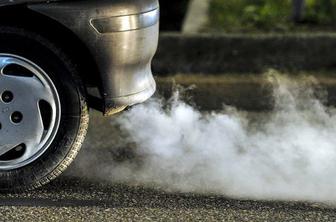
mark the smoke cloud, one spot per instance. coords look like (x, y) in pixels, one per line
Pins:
(288, 153)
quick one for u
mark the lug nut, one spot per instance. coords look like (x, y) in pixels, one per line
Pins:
(16, 117)
(7, 96)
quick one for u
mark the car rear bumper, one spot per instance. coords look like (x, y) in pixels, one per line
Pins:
(122, 36)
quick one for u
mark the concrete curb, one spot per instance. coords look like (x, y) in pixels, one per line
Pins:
(245, 92)
(203, 53)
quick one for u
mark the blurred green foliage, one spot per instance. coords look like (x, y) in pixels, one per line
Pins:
(270, 15)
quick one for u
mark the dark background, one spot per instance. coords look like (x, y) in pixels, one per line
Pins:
(172, 14)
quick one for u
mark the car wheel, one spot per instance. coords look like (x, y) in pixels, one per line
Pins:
(43, 112)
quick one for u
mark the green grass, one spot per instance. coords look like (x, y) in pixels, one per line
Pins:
(269, 16)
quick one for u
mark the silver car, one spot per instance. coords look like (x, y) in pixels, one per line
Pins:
(57, 59)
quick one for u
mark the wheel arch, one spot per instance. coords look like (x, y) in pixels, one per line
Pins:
(22, 17)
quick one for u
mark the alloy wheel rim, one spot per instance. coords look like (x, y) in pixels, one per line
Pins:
(30, 111)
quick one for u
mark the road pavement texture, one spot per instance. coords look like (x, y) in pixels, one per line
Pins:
(79, 197)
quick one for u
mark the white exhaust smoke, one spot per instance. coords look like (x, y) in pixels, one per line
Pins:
(287, 154)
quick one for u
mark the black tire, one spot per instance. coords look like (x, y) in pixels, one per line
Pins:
(74, 114)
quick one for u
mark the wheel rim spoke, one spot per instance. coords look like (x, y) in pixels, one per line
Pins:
(4, 61)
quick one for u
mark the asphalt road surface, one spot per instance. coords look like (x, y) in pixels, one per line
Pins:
(76, 197)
